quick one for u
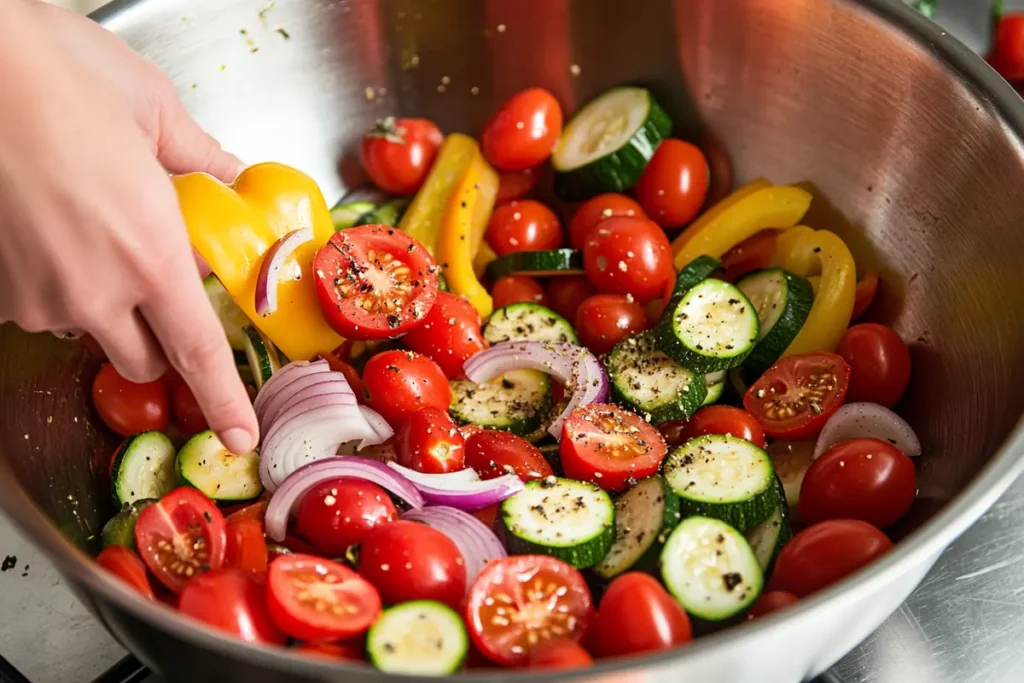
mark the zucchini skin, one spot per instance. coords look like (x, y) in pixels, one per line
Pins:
(770, 348)
(586, 554)
(681, 407)
(553, 262)
(649, 561)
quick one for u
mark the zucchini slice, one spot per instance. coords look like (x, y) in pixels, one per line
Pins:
(712, 327)
(120, 529)
(568, 519)
(648, 382)
(715, 382)
(262, 355)
(607, 144)
(691, 275)
(537, 264)
(143, 468)
(644, 517)
(420, 638)
(203, 463)
(528, 322)
(723, 477)
(710, 569)
(782, 301)
(356, 204)
(515, 402)
(388, 213)
(767, 538)
(232, 318)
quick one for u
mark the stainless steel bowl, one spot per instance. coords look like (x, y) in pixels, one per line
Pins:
(913, 146)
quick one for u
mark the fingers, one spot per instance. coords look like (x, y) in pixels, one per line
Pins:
(130, 346)
(184, 147)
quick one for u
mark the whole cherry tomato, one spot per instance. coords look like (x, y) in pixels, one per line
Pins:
(449, 335)
(399, 383)
(825, 553)
(514, 289)
(523, 131)
(565, 294)
(770, 601)
(637, 615)
(674, 184)
(233, 601)
(187, 413)
(523, 225)
(430, 442)
(724, 420)
(603, 320)
(516, 184)
(339, 513)
(597, 209)
(493, 454)
(246, 547)
(879, 363)
(632, 256)
(1007, 55)
(398, 153)
(129, 408)
(559, 654)
(125, 565)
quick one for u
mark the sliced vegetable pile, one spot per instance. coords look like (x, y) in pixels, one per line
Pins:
(491, 441)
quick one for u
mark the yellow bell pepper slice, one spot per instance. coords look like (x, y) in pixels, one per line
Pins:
(769, 207)
(462, 228)
(713, 212)
(807, 252)
(484, 255)
(233, 226)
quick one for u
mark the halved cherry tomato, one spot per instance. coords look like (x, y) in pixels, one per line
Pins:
(865, 293)
(187, 413)
(523, 131)
(523, 225)
(795, 397)
(559, 654)
(626, 255)
(295, 545)
(246, 547)
(825, 553)
(487, 515)
(1007, 55)
(753, 253)
(181, 537)
(674, 184)
(879, 363)
(493, 454)
(351, 374)
(398, 383)
(603, 320)
(638, 615)
(866, 479)
(257, 511)
(519, 602)
(412, 561)
(311, 598)
(125, 565)
(565, 294)
(515, 289)
(333, 651)
(609, 446)
(516, 184)
(597, 209)
(233, 601)
(430, 442)
(398, 153)
(374, 282)
(771, 601)
(723, 420)
(129, 408)
(449, 335)
(339, 513)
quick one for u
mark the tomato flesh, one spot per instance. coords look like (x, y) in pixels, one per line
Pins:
(233, 601)
(493, 454)
(610, 447)
(430, 442)
(127, 407)
(795, 397)
(246, 547)
(374, 282)
(339, 513)
(825, 553)
(126, 566)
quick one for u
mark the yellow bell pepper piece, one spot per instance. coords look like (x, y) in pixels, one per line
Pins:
(807, 252)
(713, 212)
(484, 255)
(769, 207)
(462, 228)
(232, 227)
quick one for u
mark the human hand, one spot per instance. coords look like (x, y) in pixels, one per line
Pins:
(91, 236)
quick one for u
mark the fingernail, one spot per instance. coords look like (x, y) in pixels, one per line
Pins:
(237, 440)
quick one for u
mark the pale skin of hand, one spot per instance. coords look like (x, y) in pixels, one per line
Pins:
(91, 237)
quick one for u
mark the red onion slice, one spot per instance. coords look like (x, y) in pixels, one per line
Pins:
(867, 421)
(469, 496)
(574, 366)
(305, 478)
(477, 543)
(377, 423)
(466, 476)
(285, 375)
(333, 395)
(270, 269)
(329, 384)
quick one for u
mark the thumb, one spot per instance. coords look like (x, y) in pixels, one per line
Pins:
(184, 147)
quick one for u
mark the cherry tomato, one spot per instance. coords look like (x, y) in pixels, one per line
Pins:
(345, 652)
(233, 601)
(246, 547)
(1007, 55)
(493, 454)
(724, 420)
(351, 374)
(516, 184)
(559, 654)
(430, 442)
(315, 599)
(412, 561)
(126, 565)
(753, 253)
(826, 552)
(514, 289)
(565, 294)
(609, 446)
(638, 615)
(674, 184)
(866, 479)
(603, 320)
(374, 282)
(523, 131)
(181, 537)
(628, 256)
(795, 397)
(398, 383)
(449, 335)
(770, 601)
(339, 513)
(257, 511)
(488, 515)
(129, 408)
(867, 288)
(398, 153)
(523, 225)
(879, 363)
(187, 413)
(597, 209)
(519, 602)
